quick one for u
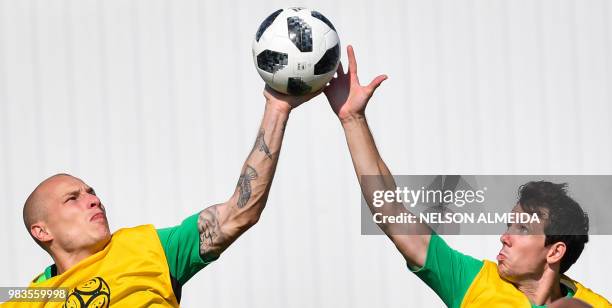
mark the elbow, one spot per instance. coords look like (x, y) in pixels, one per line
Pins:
(249, 211)
(251, 221)
(245, 221)
(247, 216)
(252, 214)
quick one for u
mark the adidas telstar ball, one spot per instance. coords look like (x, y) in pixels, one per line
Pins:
(296, 50)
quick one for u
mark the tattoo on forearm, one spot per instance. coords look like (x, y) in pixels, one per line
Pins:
(244, 185)
(210, 234)
(260, 144)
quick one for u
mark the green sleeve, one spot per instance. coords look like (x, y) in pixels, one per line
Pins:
(448, 272)
(182, 247)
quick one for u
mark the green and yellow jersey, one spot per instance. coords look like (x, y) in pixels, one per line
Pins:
(139, 267)
(463, 281)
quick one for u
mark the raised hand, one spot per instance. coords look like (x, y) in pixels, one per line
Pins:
(286, 102)
(346, 96)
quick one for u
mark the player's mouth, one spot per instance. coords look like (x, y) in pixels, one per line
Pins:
(501, 256)
(98, 216)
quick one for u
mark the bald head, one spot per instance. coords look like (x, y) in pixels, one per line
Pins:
(34, 209)
(65, 217)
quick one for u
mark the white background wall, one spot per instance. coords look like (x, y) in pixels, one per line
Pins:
(156, 104)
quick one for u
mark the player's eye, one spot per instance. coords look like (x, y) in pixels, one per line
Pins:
(71, 198)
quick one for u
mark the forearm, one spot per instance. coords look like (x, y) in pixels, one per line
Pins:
(257, 173)
(364, 153)
(221, 224)
(411, 240)
(372, 172)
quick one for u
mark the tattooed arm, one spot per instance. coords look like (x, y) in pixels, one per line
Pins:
(221, 224)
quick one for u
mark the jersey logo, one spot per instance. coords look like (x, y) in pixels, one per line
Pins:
(93, 293)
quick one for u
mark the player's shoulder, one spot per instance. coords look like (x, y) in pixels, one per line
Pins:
(140, 228)
(585, 294)
(129, 233)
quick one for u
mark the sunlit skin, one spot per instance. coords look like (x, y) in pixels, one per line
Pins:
(74, 225)
(525, 261)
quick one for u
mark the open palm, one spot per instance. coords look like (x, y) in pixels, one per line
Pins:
(345, 95)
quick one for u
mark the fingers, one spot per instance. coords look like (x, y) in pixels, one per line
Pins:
(306, 97)
(339, 75)
(352, 62)
(376, 83)
(313, 94)
(267, 88)
(270, 93)
(340, 70)
(328, 87)
(266, 91)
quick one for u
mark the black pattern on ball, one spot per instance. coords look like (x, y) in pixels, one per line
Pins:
(266, 23)
(297, 87)
(322, 18)
(300, 33)
(271, 61)
(328, 61)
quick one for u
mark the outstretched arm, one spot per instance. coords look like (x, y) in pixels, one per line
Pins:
(348, 100)
(221, 224)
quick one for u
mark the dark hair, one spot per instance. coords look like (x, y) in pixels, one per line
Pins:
(566, 222)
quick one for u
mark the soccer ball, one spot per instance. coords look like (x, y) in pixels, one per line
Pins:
(296, 51)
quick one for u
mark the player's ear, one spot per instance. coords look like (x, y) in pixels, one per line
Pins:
(555, 253)
(41, 232)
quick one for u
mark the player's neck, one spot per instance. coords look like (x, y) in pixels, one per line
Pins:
(65, 260)
(542, 290)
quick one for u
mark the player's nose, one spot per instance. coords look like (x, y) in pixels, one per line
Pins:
(505, 239)
(93, 201)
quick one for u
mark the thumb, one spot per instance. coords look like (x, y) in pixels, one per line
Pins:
(376, 83)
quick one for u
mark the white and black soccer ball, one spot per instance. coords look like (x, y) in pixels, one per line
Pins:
(296, 50)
